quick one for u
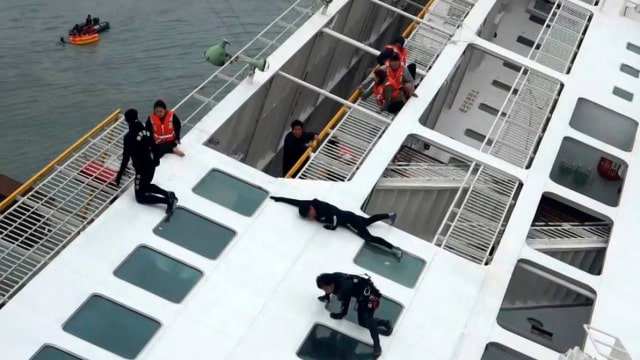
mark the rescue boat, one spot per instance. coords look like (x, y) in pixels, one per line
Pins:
(84, 39)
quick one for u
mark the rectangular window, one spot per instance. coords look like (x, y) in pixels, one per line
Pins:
(477, 136)
(622, 93)
(230, 192)
(195, 233)
(404, 271)
(633, 48)
(49, 352)
(490, 109)
(629, 70)
(324, 343)
(158, 274)
(112, 327)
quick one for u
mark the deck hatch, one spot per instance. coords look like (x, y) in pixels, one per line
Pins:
(324, 343)
(49, 352)
(112, 326)
(195, 233)
(158, 274)
(404, 271)
(230, 192)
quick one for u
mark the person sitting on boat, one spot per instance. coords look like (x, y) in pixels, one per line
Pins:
(389, 96)
(76, 29)
(333, 217)
(296, 143)
(139, 147)
(165, 126)
(88, 21)
(397, 47)
(396, 72)
(347, 286)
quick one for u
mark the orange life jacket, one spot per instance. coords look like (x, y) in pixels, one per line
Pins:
(394, 77)
(378, 91)
(163, 129)
(402, 52)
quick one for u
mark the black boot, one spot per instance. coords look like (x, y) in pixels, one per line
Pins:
(377, 351)
(386, 324)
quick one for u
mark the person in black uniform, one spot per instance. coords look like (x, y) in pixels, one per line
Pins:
(347, 286)
(141, 149)
(296, 143)
(333, 217)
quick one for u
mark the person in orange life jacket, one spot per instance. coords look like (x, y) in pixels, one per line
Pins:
(347, 286)
(397, 46)
(138, 146)
(387, 92)
(296, 143)
(333, 217)
(394, 72)
(165, 126)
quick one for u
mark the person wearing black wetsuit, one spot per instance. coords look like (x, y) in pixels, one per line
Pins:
(141, 149)
(347, 286)
(333, 217)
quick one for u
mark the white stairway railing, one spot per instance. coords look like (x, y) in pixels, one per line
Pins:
(60, 206)
(560, 44)
(570, 235)
(337, 158)
(426, 171)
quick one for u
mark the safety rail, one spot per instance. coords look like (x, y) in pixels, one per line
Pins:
(426, 171)
(569, 236)
(49, 210)
(352, 134)
(563, 38)
(475, 221)
(606, 345)
(211, 91)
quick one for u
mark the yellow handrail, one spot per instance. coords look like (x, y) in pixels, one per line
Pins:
(352, 98)
(32, 180)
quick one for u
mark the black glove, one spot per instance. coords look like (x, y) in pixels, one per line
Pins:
(329, 227)
(336, 316)
(325, 298)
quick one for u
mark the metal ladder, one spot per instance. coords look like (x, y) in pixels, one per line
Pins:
(70, 196)
(342, 153)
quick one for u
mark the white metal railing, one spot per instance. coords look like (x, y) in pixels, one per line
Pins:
(226, 78)
(426, 171)
(569, 232)
(337, 158)
(47, 218)
(562, 40)
(606, 345)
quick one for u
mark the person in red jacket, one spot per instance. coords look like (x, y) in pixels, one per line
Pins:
(165, 127)
(397, 47)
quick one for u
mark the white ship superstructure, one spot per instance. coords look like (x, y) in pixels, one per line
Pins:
(510, 173)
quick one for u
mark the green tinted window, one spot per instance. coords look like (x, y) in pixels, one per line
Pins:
(230, 192)
(158, 273)
(193, 232)
(51, 353)
(324, 343)
(112, 327)
(404, 271)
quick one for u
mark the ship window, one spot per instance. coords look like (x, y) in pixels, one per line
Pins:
(230, 192)
(495, 351)
(629, 70)
(112, 327)
(324, 343)
(633, 48)
(158, 274)
(404, 271)
(470, 133)
(604, 124)
(622, 93)
(49, 352)
(388, 310)
(194, 232)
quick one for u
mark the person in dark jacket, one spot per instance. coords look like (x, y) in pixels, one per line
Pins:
(296, 143)
(347, 286)
(141, 149)
(333, 217)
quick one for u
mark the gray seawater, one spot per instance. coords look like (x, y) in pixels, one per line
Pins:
(51, 94)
